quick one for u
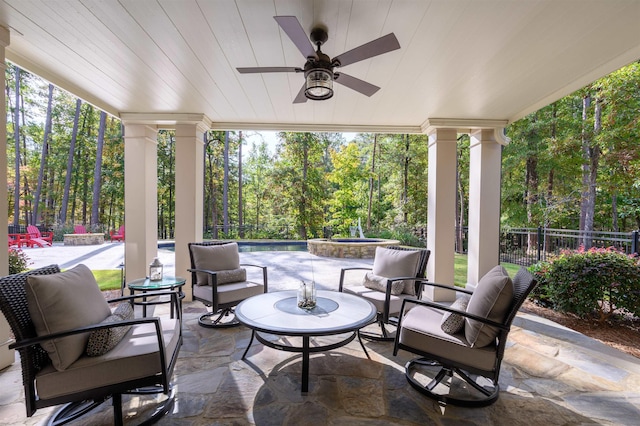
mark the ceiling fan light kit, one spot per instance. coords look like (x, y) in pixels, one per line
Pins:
(318, 70)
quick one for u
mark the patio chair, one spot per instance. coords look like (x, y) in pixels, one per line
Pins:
(219, 280)
(37, 238)
(75, 351)
(80, 229)
(117, 235)
(461, 346)
(16, 240)
(396, 274)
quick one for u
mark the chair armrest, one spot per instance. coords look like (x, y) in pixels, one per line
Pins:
(354, 268)
(449, 309)
(40, 339)
(448, 287)
(264, 274)
(213, 276)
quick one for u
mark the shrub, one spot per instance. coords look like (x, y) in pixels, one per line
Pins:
(584, 282)
(18, 261)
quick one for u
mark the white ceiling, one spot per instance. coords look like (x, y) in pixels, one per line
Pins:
(459, 59)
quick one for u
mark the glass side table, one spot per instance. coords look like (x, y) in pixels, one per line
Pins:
(166, 283)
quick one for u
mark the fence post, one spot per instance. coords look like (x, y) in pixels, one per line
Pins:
(634, 242)
(540, 242)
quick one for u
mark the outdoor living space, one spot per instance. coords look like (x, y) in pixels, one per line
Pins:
(550, 374)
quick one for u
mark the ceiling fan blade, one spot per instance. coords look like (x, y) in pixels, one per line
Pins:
(356, 84)
(368, 50)
(292, 27)
(301, 98)
(250, 70)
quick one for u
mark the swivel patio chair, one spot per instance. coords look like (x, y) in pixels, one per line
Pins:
(461, 346)
(219, 280)
(37, 238)
(396, 274)
(75, 351)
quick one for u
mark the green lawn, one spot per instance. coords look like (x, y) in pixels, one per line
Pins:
(460, 272)
(108, 279)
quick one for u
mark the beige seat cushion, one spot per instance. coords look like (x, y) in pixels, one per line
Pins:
(421, 330)
(377, 298)
(215, 258)
(491, 299)
(64, 301)
(136, 356)
(229, 293)
(392, 263)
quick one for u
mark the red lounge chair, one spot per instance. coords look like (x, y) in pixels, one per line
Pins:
(16, 240)
(119, 235)
(37, 238)
(79, 229)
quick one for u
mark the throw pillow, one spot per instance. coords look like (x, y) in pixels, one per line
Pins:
(393, 263)
(102, 341)
(375, 282)
(219, 257)
(64, 301)
(232, 276)
(491, 299)
(453, 323)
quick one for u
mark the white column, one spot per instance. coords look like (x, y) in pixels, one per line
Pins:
(7, 355)
(140, 198)
(189, 194)
(484, 205)
(4, 203)
(441, 212)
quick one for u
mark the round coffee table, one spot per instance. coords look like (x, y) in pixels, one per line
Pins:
(278, 313)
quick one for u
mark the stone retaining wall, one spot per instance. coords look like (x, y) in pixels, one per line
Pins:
(364, 249)
(83, 239)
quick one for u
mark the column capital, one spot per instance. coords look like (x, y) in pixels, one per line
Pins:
(469, 126)
(5, 37)
(165, 120)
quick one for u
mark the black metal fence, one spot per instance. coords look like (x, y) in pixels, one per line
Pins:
(526, 246)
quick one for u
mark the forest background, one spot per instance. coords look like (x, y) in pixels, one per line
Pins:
(573, 164)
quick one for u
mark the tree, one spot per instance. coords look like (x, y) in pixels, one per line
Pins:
(72, 148)
(97, 172)
(43, 158)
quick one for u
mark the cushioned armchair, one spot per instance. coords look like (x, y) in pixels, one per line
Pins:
(219, 280)
(461, 346)
(76, 351)
(396, 274)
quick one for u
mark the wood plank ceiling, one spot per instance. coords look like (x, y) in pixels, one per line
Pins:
(459, 59)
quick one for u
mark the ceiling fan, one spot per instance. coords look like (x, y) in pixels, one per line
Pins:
(318, 70)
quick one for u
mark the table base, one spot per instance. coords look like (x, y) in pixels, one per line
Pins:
(306, 349)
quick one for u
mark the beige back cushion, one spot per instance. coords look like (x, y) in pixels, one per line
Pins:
(64, 301)
(491, 299)
(221, 257)
(392, 263)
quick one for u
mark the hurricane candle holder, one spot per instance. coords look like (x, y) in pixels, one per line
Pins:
(307, 295)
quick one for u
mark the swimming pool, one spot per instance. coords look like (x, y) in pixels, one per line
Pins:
(247, 246)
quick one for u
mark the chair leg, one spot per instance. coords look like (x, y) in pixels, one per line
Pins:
(223, 318)
(382, 337)
(451, 391)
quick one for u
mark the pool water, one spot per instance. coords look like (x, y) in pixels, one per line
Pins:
(248, 246)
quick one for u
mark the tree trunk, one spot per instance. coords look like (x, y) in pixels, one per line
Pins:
(43, 158)
(240, 219)
(460, 208)
(16, 136)
(67, 179)
(225, 188)
(97, 172)
(373, 171)
(586, 142)
(405, 181)
(594, 160)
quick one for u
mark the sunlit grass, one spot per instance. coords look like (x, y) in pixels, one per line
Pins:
(460, 269)
(108, 279)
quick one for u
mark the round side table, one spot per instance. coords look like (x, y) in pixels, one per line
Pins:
(166, 283)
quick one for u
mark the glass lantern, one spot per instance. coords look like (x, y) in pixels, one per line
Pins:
(155, 270)
(307, 295)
